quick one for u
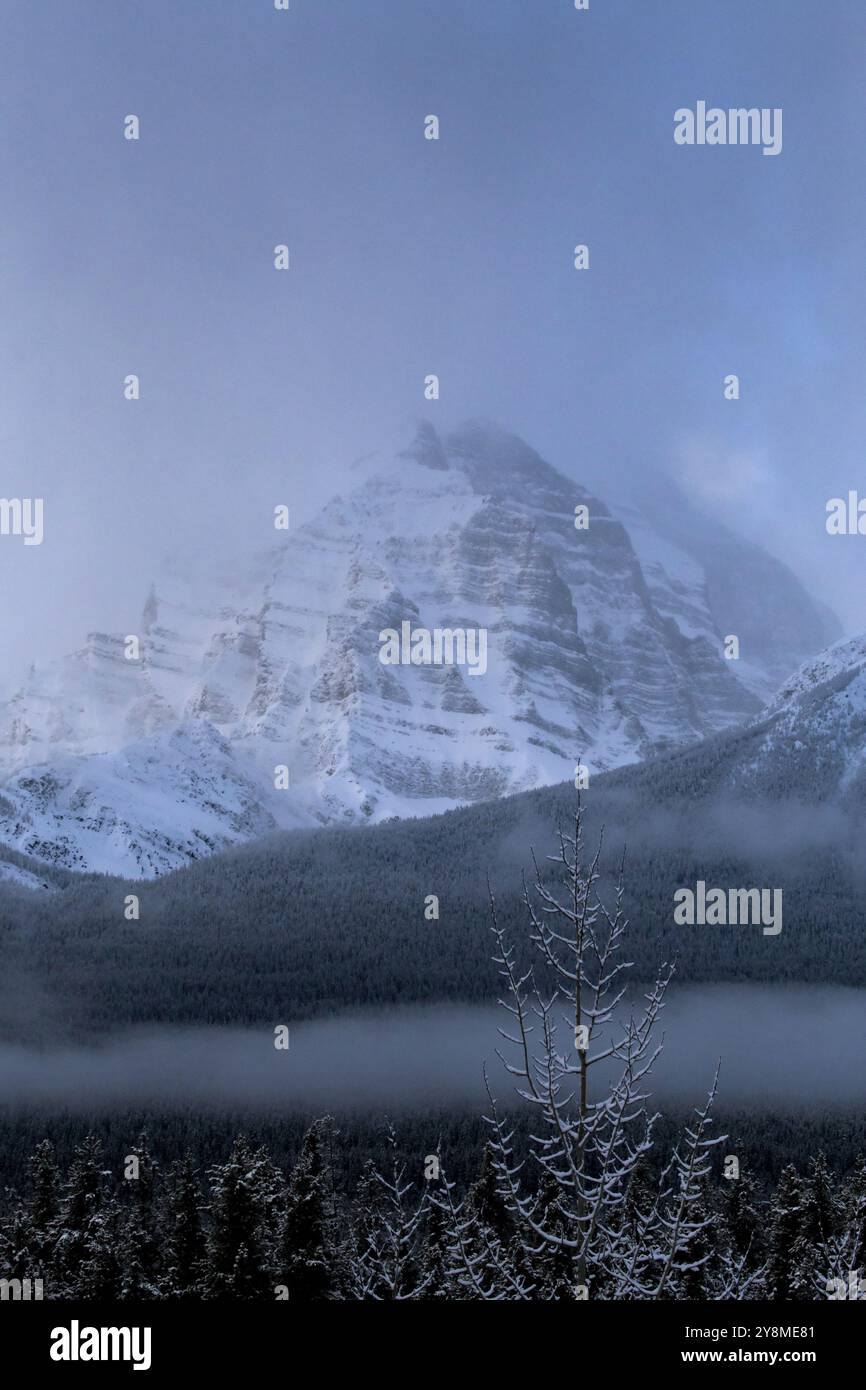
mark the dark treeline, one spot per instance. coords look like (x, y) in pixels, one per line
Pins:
(246, 1227)
(765, 1142)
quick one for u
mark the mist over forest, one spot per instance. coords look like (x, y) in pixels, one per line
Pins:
(776, 1047)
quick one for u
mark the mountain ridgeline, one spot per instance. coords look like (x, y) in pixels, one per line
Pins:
(258, 701)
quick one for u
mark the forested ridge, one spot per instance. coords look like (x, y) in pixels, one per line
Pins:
(310, 923)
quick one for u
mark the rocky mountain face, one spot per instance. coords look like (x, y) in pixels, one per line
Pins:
(261, 701)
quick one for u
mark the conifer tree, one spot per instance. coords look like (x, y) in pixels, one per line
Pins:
(182, 1235)
(84, 1186)
(82, 1199)
(236, 1254)
(44, 1187)
(305, 1258)
(743, 1218)
(485, 1202)
(18, 1245)
(785, 1221)
(140, 1237)
(819, 1217)
(435, 1265)
(820, 1204)
(109, 1267)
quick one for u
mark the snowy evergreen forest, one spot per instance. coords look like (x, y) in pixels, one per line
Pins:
(594, 1196)
(244, 1229)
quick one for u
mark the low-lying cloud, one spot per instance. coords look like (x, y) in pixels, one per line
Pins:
(799, 1046)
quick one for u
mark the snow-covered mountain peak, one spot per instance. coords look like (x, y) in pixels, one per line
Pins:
(259, 699)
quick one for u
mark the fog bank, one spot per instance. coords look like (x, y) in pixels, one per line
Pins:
(797, 1046)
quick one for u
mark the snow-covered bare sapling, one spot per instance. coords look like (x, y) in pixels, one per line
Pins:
(582, 1054)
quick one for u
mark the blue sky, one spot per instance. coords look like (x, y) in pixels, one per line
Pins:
(411, 256)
